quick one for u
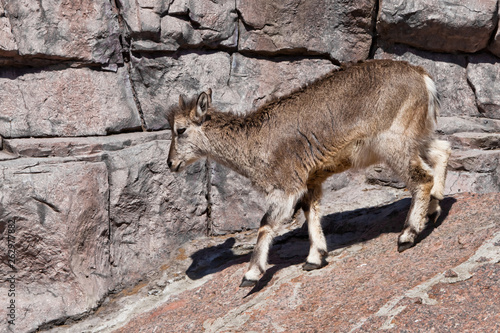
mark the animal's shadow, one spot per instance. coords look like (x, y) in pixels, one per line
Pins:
(341, 229)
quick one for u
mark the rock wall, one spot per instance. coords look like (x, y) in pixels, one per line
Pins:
(84, 91)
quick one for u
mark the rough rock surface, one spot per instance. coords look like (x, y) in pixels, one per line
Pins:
(61, 29)
(443, 26)
(483, 73)
(147, 222)
(339, 29)
(85, 88)
(61, 234)
(448, 279)
(69, 102)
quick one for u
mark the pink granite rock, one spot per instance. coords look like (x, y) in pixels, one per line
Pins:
(367, 285)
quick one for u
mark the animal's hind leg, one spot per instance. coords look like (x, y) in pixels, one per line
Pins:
(318, 249)
(437, 154)
(420, 181)
(280, 209)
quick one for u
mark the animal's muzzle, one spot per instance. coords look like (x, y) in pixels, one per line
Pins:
(174, 167)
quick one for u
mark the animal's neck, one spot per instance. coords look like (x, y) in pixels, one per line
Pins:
(233, 142)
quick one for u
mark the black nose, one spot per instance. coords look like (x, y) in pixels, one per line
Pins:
(169, 163)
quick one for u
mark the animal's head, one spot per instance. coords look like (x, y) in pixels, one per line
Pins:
(188, 139)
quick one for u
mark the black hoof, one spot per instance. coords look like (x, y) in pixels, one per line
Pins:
(310, 266)
(245, 283)
(404, 246)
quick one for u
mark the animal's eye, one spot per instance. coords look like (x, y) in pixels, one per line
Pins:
(180, 131)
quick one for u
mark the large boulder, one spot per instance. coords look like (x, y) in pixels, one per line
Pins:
(55, 215)
(86, 31)
(443, 26)
(171, 25)
(65, 102)
(151, 209)
(494, 47)
(254, 82)
(200, 24)
(483, 73)
(160, 80)
(235, 205)
(8, 45)
(342, 30)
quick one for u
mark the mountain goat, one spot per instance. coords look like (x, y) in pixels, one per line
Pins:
(370, 112)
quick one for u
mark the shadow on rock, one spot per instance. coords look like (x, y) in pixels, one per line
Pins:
(341, 230)
(212, 259)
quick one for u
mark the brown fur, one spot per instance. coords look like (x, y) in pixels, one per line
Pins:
(375, 111)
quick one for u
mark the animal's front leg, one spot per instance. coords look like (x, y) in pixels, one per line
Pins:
(281, 208)
(258, 262)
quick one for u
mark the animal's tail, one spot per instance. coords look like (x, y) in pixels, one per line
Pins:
(434, 103)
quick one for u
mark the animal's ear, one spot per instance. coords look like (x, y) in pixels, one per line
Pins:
(202, 105)
(182, 102)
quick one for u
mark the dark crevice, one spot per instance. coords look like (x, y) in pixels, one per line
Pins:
(45, 202)
(471, 86)
(125, 44)
(268, 56)
(373, 30)
(208, 197)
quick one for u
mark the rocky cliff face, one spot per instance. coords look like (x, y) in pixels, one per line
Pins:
(86, 199)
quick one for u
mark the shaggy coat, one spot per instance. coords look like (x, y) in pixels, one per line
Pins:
(370, 112)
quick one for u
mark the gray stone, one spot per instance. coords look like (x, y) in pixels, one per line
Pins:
(383, 175)
(473, 160)
(235, 205)
(176, 32)
(201, 23)
(8, 45)
(69, 102)
(474, 182)
(450, 125)
(60, 213)
(475, 140)
(443, 26)
(159, 81)
(483, 73)
(151, 209)
(448, 71)
(143, 18)
(339, 29)
(57, 29)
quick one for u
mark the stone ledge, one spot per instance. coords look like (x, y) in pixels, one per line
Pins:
(76, 146)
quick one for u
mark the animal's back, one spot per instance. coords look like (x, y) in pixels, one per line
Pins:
(350, 106)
